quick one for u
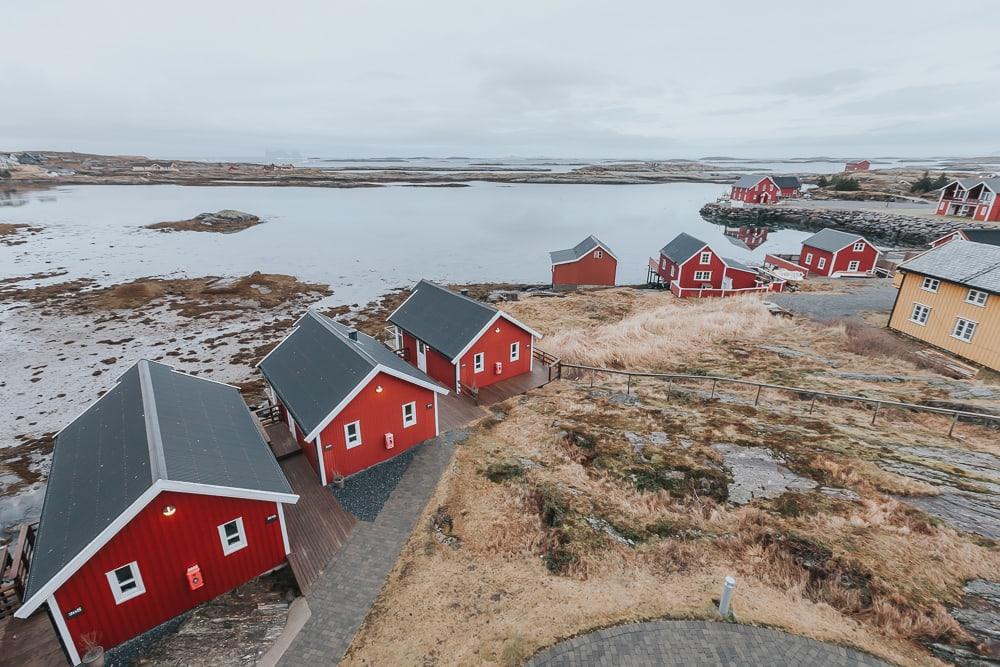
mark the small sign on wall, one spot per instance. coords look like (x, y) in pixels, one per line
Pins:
(73, 613)
(271, 518)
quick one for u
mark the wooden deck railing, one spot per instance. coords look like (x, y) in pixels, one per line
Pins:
(800, 393)
(269, 414)
(14, 569)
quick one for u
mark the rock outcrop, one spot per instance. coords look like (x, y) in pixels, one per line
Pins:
(225, 221)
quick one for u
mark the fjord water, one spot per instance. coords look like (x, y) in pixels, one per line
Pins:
(361, 241)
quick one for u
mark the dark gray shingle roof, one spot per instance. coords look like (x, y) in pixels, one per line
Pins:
(971, 264)
(787, 181)
(736, 264)
(988, 236)
(443, 319)
(832, 240)
(318, 365)
(155, 424)
(578, 251)
(682, 248)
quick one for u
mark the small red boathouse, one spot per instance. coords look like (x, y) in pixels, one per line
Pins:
(589, 262)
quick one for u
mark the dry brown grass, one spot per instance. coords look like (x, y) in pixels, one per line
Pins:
(533, 569)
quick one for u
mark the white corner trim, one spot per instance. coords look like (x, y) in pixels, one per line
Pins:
(320, 458)
(74, 655)
(284, 529)
(437, 428)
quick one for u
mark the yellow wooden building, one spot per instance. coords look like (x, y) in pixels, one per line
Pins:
(950, 297)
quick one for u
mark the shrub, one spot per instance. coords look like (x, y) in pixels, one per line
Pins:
(846, 184)
(503, 471)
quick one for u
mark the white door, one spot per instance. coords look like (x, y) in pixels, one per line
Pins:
(853, 266)
(421, 356)
(727, 283)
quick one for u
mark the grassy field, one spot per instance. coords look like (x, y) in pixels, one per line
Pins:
(575, 506)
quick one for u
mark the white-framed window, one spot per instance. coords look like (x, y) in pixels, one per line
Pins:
(478, 362)
(920, 314)
(809, 258)
(663, 263)
(964, 329)
(672, 269)
(705, 258)
(598, 254)
(352, 434)
(702, 275)
(125, 582)
(930, 284)
(854, 265)
(409, 414)
(859, 246)
(821, 263)
(515, 351)
(421, 348)
(232, 535)
(976, 297)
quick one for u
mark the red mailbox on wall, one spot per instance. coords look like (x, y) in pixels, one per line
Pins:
(390, 441)
(194, 577)
(498, 367)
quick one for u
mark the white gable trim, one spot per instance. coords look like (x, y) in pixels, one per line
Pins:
(122, 520)
(596, 246)
(400, 306)
(698, 254)
(284, 529)
(860, 238)
(280, 343)
(496, 316)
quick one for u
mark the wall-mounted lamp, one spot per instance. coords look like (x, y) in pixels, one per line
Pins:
(378, 389)
(497, 330)
(169, 510)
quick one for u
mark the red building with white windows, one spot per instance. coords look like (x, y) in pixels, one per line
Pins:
(973, 198)
(830, 252)
(350, 402)
(860, 165)
(690, 267)
(161, 496)
(461, 342)
(589, 262)
(763, 189)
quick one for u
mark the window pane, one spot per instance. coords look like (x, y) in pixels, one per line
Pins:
(232, 529)
(124, 574)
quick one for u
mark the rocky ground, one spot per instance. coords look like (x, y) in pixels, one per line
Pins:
(226, 221)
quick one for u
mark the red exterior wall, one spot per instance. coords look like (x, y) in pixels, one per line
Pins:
(813, 263)
(756, 194)
(496, 347)
(164, 547)
(790, 192)
(863, 165)
(715, 265)
(866, 258)
(379, 413)
(439, 366)
(588, 270)
(742, 279)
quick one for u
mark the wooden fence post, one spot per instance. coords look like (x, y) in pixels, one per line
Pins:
(813, 404)
(628, 387)
(712, 397)
(757, 400)
(878, 406)
(954, 420)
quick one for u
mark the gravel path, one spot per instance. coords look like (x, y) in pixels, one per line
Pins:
(696, 643)
(877, 295)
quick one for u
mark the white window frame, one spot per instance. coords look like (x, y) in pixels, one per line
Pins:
(702, 275)
(977, 298)
(821, 264)
(412, 420)
(421, 347)
(598, 254)
(809, 258)
(853, 265)
(963, 325)
(515, 350)
(241, 535)
(355, 440)
(927, 314)
(859, 246)
(672, 269)
(663, 264)
(705, 258)
(116, 585)
(930, 284)
(478, 362)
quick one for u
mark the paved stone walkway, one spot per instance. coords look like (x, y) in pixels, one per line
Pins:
(345, 591)
(696, 643)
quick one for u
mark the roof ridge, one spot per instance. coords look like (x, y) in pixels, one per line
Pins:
(460, 295)
(154, 440)
(327, 324)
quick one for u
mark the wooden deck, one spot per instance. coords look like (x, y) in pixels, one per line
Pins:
(457, 411)
(31, 642)
(317, 525)
(280, 439)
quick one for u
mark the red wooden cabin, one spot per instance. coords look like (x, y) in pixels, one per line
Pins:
(589, 262)
(690, 267)
(974, 234)
(459, 341)
(861, 165)
(763, 189)
(161, 496)
(974, 198)
(348, 400)
(830, 252)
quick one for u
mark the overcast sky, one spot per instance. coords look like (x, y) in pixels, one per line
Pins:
(562, 78)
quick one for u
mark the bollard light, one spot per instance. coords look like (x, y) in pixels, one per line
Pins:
(728, 586)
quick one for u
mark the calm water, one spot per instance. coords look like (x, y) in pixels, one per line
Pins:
(361, 241)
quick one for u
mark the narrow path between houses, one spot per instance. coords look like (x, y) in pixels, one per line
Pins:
(696, 643)
(342, 595)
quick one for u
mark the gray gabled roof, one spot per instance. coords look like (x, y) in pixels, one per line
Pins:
(155, 424)
(750, 180)
(832, 240)
(736, 264)
(682, 248)
(977, 235)
(579, 250)
(975, 265)
(318, 365)
(445, 320)
(787, 181)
